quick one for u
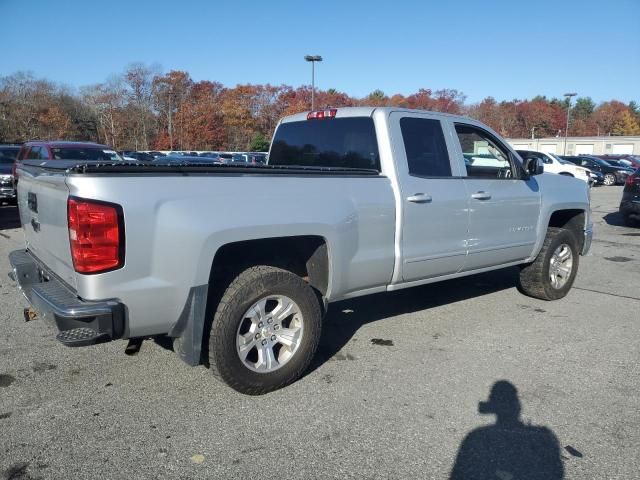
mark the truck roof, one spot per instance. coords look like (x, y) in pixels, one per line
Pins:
(345, 112)
(65, 143)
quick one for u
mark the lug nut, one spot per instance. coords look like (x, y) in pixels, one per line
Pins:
(260, 325)
(264, 342)
(257, 336)
(269, 320)
(273, 338)
(276, 327)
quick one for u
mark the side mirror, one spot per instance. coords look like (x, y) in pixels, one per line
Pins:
(533, 166)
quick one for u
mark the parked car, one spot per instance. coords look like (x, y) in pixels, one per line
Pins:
(8, 154)
(7, 189)
(157, 154)
(10, 150)
(225, 157)
(187, 159)
(63, 150)
(140, 156)
(215, 155)
(626, 159)
(557, 165)
(353, 201)
(630, 203)
(631, 161)
(612, 175)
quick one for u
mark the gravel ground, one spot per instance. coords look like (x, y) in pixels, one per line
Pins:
(394, 391)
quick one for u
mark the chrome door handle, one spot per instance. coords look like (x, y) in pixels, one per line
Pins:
(481, 195)
(420, 198)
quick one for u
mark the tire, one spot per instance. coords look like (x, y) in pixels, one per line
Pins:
(535, 278)
(609, 179)
(238, 326)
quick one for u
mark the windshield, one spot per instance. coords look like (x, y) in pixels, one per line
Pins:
(86, 154)
(599, 161)
(561, 160)
(335, 142)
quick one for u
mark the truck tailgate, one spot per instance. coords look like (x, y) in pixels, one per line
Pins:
(42, 199)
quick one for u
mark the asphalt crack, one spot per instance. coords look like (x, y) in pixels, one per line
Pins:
(607, 293)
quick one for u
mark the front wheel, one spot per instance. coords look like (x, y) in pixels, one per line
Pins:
(554, 270)
(265, 331)
(609, 179)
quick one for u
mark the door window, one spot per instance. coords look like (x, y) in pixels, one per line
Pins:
(425, 147)
(484, 157)
(34, 153)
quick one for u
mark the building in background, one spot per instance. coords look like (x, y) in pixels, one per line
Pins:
(580, 145)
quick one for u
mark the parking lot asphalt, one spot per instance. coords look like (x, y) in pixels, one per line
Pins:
(394, 392)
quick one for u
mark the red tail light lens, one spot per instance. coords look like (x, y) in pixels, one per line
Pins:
(318, 114)
(631, 179)
(96, 234)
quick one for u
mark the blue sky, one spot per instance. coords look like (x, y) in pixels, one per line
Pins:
(506, 49)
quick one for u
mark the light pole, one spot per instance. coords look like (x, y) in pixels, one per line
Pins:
(313, 59)
(566, 130)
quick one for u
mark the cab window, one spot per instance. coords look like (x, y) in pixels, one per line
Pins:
(425, 147)
(484, 156)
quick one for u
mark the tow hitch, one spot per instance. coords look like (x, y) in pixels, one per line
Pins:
(29, 314)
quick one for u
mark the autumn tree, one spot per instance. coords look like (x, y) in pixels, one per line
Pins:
(169, 93)
(626, 125)
(200, 117)
(607, 115)
(138, 83)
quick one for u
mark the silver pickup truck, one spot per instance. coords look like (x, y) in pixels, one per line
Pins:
(238, 263)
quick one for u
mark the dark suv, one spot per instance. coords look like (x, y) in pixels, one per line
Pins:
(613, 175)
(59, 150)
(8, 154)
(630, 203)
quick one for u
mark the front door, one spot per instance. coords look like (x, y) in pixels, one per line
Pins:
(432, 198)
(504, 205)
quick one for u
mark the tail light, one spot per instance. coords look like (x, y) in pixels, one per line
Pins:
(631, 179)
(96, 235)
(318, 114)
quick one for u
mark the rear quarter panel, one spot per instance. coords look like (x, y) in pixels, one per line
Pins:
(174, 226)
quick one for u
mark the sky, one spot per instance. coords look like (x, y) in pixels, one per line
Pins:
(506, 49)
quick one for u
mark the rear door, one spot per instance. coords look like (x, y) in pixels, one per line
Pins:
(503, 206)
(433, 199)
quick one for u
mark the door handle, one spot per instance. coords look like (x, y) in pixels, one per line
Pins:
(481, 195)
(420, 198)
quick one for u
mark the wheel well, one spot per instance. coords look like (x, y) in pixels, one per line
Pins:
(305, 256)
(572, 220)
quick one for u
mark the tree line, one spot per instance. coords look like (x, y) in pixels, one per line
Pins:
(144, 109)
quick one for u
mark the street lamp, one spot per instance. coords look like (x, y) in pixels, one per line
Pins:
(313, 59)
(566, 130)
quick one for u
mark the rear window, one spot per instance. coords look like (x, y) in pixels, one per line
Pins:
(335, 142)
(85, 154)
(9, 152)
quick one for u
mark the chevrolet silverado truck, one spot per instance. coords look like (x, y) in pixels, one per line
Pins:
(238, 263)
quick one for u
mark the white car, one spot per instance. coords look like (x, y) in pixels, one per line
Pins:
(555, 164)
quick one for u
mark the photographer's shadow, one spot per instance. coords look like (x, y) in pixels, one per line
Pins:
(509, 449)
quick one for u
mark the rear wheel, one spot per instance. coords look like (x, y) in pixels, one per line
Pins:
(265, 331)
(609, 179)
(553, 272)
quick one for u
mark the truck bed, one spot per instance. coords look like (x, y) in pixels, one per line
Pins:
(159, 167)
